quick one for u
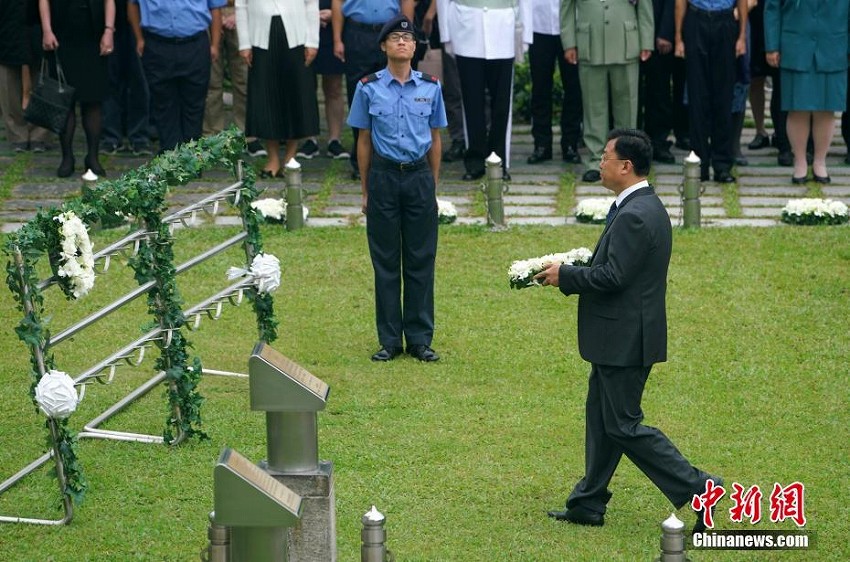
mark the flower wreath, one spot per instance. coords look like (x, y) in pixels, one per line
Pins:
(76, 270)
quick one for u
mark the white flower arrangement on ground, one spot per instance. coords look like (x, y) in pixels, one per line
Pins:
(55, 395)
(265, 269)
(274, 210)
(815, 211)
(521, 273)
(76, 271)
(446, 211)
(593, 211)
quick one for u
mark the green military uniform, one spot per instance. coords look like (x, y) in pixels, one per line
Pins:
(608, 36)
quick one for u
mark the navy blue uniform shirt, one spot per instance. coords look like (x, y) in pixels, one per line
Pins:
(399, 116)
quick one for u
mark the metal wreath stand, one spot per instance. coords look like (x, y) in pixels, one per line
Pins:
(133, 353)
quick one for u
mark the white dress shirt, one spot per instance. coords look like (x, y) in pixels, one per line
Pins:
(483, 33)
(300, 20)
(546, 16)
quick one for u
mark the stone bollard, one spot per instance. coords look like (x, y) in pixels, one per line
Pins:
(691, 190)
(374, 537)
(493, 190)
(219, 545)
(294, 203)
(672, 540)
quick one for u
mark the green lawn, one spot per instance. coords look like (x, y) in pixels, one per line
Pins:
(466, 455)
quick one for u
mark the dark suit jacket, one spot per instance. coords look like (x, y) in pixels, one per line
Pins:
(665, 27)
(622, 319)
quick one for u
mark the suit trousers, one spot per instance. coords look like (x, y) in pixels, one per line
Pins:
(710, 61)
(662, 98)
(228, 54)
(543, 54)
(126, 107)
(401, 228)
(363, 56)
(452, 96)
(178, 77)
(602, 84)
(613, 428)
(479, 77)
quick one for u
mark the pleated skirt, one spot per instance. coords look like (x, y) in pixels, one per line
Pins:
(282, 101)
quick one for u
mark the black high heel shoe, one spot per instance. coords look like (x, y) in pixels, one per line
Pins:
(66, 168)
(95, 167)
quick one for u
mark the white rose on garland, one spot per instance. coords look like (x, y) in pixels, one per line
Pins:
(274, 210)
(446, 212)
(593, 211)
(521, 273)
(76, 270)
(265, 269)
(814, 212)
(55, 395)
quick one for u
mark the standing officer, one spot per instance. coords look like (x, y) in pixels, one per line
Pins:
(399, 112)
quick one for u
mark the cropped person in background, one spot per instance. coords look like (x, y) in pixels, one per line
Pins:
(808, 42)
(279, 39)
(84, 30)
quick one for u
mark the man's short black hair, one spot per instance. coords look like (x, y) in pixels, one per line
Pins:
(633, 145)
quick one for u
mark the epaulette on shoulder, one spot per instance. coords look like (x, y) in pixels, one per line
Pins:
(369, 78)
(430, 78)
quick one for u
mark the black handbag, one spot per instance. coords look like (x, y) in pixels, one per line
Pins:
(50, 100)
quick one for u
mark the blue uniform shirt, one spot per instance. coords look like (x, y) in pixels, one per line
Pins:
(713, 5)
(371, 11)
(399, 116)
(177, 18)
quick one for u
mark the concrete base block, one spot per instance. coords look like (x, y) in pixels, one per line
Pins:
(314, 538)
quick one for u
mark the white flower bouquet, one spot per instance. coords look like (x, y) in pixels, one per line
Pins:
(815, 211)
(75, 269)
(274, 210)
(265, 270)
(521, 273)
(446, 211)
(593, 211)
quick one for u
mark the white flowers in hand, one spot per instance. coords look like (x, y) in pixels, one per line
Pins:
(265, 269)
(593, 210)
(56, 395)
(521, 273)
(76, 254)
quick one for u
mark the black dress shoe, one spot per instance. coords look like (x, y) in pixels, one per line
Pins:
(579, 516)
(355, 175)
(387, 353)
(570, 154)
(821, 179)
(95, 167)
(455, 152)
(847, 158)
(591, 176)
(66, 168)
(700, 526)
(472, 176)
(422, 352)
(540, 154)
(506, 175)
(760, 141)
(799, 181)
(785, 158)
(724, 177)
(662, 154)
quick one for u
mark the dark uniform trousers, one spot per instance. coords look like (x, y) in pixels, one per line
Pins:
(401, 228)
(477, 78)
(663, 108)
(710, 61)
(178, 75)
(363, 56)
(542, 56)
(613, 428)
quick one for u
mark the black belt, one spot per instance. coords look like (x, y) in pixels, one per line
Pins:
(366, 26)
(379, 161)
(174, 40)
(712, 13)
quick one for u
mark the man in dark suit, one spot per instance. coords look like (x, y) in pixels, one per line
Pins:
(622, 332)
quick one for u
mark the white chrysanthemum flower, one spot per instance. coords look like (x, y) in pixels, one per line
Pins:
(593, 210)
(521, 272)
(271, 209)
(815, 211)
(446, 211)
(76, 255)
(55, 395)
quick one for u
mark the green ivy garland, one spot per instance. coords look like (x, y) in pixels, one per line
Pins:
(140, 193)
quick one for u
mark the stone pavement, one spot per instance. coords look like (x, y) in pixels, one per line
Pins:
(538, 194)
